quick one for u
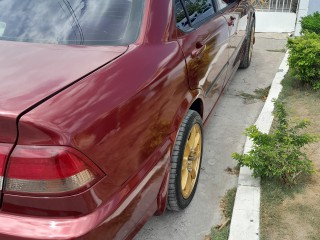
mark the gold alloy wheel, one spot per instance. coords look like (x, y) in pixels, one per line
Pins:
(191, 161)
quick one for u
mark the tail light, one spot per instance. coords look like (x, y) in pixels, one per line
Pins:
(4, 150)
(49, 170)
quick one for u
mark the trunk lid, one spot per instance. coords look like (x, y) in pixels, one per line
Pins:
(30, 73)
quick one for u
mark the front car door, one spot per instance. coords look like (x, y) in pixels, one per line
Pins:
(236, 14)
(203, 35)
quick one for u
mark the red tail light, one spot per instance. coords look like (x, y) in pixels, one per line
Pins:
(49, 170)
(4, 150)
(3, 155)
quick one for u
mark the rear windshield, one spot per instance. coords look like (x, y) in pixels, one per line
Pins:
(76, 22)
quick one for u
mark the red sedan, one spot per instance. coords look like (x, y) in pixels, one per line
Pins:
(101, 109)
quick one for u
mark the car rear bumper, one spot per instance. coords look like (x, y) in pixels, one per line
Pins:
(119, 218)
(18, 227)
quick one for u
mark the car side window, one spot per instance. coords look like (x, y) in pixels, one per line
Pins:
(197, 11)
(182, 20)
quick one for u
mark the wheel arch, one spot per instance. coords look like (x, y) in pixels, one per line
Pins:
(197, 106)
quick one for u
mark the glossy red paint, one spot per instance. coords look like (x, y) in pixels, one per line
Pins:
(120, 107)
(49, 67)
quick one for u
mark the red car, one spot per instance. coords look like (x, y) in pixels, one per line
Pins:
(101, 109)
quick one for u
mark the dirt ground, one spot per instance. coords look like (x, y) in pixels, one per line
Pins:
(300, 215)
(297, 217)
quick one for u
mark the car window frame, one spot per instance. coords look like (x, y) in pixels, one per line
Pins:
(193, 27)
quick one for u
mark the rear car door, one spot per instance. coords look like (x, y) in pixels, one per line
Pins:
(236, 15)
(203, 35)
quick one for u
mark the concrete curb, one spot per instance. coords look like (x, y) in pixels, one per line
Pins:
(246, 212)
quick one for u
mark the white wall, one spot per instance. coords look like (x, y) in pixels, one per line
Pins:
(314, 6)
(275, 22)
(303, 11)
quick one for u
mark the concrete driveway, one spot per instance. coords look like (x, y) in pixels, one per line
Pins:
(223, 136)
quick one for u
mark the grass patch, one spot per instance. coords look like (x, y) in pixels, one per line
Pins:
(293, 87)
(233, 171)
(283, 50)
(293, 212)
(259, 93)
(273, 194)
(228, 203)
(274, 191)
(221, 232)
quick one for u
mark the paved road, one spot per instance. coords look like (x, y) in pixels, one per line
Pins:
(223, 136)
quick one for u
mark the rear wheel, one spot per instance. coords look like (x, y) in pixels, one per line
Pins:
(249, 47)
(185, 162)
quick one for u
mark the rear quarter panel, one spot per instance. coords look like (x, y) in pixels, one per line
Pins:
(125, 120)
(117, 116)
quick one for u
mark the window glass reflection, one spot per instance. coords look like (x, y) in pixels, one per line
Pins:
(88, 22)
(181, 18)
(198, 10)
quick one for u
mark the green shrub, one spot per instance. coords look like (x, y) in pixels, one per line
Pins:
(311, 23)
(278, 154)
(304, 58)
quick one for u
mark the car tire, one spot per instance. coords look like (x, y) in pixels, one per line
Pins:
(185, 162)
(246, 60)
